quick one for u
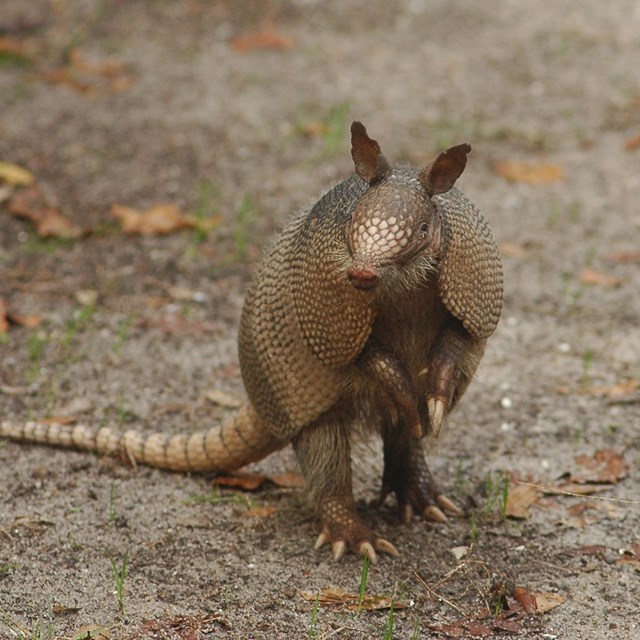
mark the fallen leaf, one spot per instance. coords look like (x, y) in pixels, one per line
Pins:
(520, 499)
(526, 599)
(89, 77)
(335, 596)
(4, 322)
(16, 175)
(260, 512)
(479, 630)
(591, 276)
(613, 391)
(29, 322)
(625, 257)
(246, 481)
(315, 128)
(157, 220)
(546, 600)
(31, 205)
(265, 37)
(513, 250)
(510, 626)
(631, 555)
(223, 399)
(605, 466)
(587, 550)
(290, 480)
(91, 632)
(529, 173)
(633, 143)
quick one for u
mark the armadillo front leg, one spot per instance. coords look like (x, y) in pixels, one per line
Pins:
(395, 382)
(407, 475)
(451, 363)
(324, 455)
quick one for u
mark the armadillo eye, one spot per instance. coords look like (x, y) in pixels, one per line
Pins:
(423, 228)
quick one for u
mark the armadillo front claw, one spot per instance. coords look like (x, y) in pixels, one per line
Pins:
(437, 408)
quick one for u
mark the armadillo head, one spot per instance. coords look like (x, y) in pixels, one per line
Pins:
(395, 224)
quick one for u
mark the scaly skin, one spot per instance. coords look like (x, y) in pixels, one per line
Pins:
(373, 307)
(237, 442)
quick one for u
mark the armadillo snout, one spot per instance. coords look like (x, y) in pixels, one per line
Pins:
(363, 277)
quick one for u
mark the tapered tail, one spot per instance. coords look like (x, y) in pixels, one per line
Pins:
(241, 439)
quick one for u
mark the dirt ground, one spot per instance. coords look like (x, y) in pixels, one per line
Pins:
(241, 110)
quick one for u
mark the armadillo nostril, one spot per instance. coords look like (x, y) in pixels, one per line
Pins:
(363, 278)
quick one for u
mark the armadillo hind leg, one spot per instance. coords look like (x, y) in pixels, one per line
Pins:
(241, 439)
(407, 475)
(323, 452)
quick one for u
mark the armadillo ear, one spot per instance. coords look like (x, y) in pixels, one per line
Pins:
(370, 163)
(441, 174)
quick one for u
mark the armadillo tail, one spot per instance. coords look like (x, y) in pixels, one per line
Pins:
(241, 439)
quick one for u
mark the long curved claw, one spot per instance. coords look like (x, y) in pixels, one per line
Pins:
(386, 547)
(436, 408)
(449, 506)
(406, 514)
(366, 549)
(434, 514)
(338, 548)
(323, 539)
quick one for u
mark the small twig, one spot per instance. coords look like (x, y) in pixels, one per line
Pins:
(438, 596)
(556, 491)
(14, 625)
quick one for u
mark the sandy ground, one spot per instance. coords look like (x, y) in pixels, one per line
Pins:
(251, 136)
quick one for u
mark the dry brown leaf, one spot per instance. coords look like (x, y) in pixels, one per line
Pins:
(591, 276)
(513, 250)
(15, 175)
(546, 600)
(526, 599)
(246, 481)
(625, 257)
(4, 321)
(31, 205)
(52, 224)
(631, 555)
(63, 75)
(89, 77)
(339, 597)
(529, 173)
(633, 143)
(260, 512)
(614, 390)
(605, 466)
(265, 37)
(520, 499)
(159, 219)
(91, 632)
(29, 322)
(290, 480)
(13, 46)
(315, 128)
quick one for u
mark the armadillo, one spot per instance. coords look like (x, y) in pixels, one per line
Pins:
(369, 314)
